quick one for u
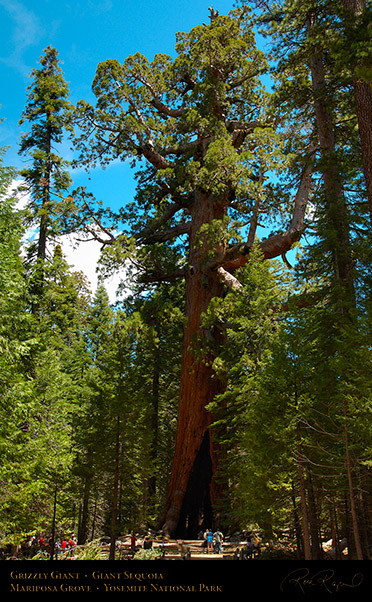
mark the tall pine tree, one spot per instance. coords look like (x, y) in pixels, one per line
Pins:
(48, 114)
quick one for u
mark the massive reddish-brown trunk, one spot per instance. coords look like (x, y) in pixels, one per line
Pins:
(192, 489)
(195, 451)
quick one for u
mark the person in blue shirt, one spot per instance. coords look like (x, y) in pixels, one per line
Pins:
(209, 541)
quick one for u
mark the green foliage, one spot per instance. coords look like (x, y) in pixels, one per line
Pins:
(89, 392)
(248, 421)
(39, 388)
(49, 114)
(90, 551)
(200, 122)
(151, 554)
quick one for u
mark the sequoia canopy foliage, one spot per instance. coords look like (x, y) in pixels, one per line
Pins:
(202, 128)
(228, 388)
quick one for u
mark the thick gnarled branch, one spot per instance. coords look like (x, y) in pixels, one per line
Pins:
(277, 244)
(164, 235)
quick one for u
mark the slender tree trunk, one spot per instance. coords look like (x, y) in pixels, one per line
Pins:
(363, 523)
(363, 106)
(37, 286)
(336, 211)
(198, 386)
(335, 530)
(154, 421)
(297, 525)
(340, 240)
(367, 501)
(354, 516)
(53, 535)
(83, 528)
(115, 493)
(304, 511)
(346, 527)
(94, 518)
(44, 217)
(316, 550)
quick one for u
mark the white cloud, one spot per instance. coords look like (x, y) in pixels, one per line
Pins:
(81, 256)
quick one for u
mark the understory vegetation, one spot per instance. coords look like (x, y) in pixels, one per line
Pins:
(232, 384)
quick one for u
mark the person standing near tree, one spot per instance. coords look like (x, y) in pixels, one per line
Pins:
(218, 538)
(209, 541)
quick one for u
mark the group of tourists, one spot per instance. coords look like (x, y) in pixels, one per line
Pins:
(36, 545)
(65, 543)
(212, 542)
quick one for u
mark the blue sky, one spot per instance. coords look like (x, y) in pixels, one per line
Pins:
(85, 32)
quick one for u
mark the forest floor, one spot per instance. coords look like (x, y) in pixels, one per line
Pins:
(193, 550)
(175, 550)
(282, 549)
(166, 549)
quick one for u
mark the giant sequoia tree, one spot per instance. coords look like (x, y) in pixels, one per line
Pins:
(199, 127)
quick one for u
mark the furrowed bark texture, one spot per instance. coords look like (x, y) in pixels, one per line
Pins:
(198, 387)
(335, 200)
(363, 106)
(196, 454)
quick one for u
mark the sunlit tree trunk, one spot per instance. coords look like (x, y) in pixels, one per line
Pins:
(198, 385)
(115, 493)
(154, 423)
(335, 201)
(363, 106)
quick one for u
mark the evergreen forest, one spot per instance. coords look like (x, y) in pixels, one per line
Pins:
(230, 386)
